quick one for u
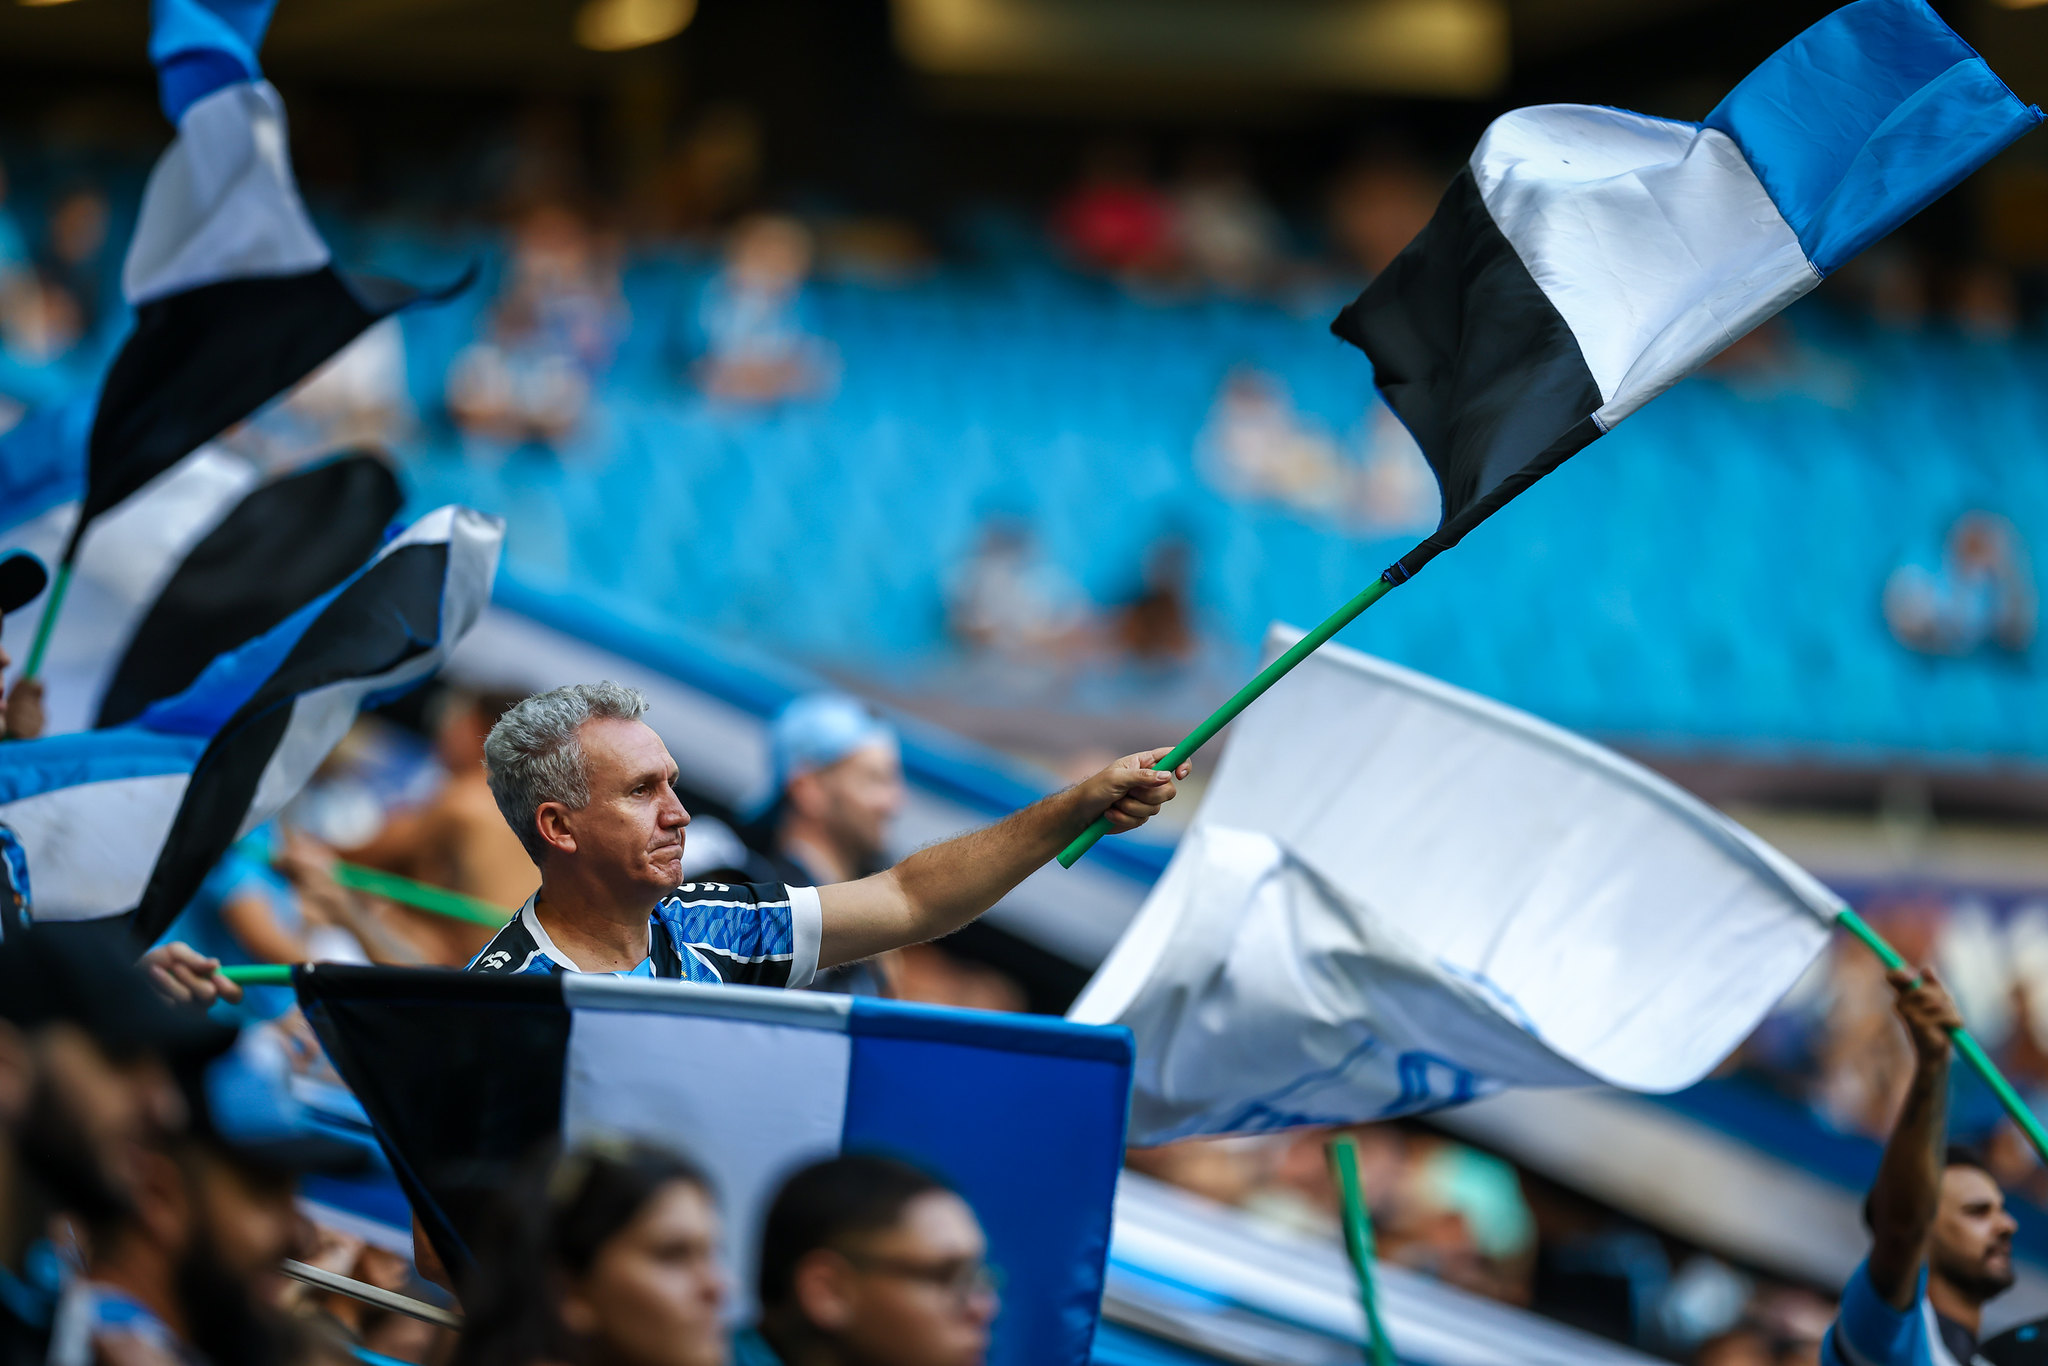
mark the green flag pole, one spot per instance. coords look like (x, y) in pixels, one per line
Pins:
(420, 895)
(1966, 1043)
(260, 974)
(1245, 696)
(1358, 1241)
(377, 882)
(48, 623)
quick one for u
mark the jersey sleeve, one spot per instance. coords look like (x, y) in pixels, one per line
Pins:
(1869, 1332)
(750, 934)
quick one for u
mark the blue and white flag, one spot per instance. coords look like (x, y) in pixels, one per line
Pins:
(235, 293)
(132, 818)
(1023, 1115)
(1586, 259)
(1399, 896)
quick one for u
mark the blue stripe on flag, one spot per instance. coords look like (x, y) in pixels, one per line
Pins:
(29, 768)
(1028, 1125)
(1865, 119)
(200, 46)
(42, 459)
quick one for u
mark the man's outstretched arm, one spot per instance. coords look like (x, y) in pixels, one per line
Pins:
(937, 890)
(1908, 1186)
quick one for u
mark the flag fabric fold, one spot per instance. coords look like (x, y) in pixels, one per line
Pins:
(203, 558)
(1023, 1115)
(1586, 259)
(131, 818)
(1399, 896)
(235, 293)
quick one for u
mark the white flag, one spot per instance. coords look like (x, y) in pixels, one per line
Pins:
(1399, 896)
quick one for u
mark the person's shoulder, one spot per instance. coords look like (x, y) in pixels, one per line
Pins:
(727, 896)
(1870, 1332)
(512, 949)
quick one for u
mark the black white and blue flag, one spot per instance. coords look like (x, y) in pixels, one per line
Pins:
(235, 293)
(131, 818)
(1022, 1114)
(1586, 259)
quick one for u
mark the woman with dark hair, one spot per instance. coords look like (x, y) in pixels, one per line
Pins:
(604, 1256)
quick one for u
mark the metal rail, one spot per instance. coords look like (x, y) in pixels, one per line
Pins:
(370, 1294)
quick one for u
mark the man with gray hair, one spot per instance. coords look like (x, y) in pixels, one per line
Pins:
(589, 789)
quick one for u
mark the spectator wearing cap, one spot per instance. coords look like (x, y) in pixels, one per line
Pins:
(589, 788)
(188, 1271)
(867, 1261)
(1941, 1238)
(836, 786)
(604, 1256)
(86, 1088)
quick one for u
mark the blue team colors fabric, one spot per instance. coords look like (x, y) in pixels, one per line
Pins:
(1865, 119)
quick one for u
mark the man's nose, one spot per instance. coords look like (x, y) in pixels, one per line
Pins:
(673, 815)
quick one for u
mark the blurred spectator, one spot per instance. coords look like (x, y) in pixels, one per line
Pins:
(1255, 445)
(758, 347)
(382, 1331)
(70, 262)
(14, 256)
(189, 1268)
(272, 899)
(1982, 593)
(1157, 626)
(356, 401)
(1010, 600)
(1226, 233)
(555, 327)
(86, 1095)
(1114, 220)
(606, 1256)
(457, 839)
(866, 1261)
(713, 172)
(836, 775)
(1397, 491)
(1987, 305)
(1377, 206)
(22, 579)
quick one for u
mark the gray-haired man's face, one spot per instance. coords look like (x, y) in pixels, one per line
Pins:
(630, 833)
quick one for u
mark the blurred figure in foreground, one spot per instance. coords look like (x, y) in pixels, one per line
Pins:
(86, 1094)
(189, 1270)
(866, 1261)
(838, 785)
(1941, 1239)
(22, 578)
(757, 346)
(457, 839)
(1982, 593)
(606, 1256)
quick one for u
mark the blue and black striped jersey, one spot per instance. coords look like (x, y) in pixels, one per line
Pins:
(751, 934)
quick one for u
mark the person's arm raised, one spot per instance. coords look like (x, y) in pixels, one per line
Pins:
(1908, 1185)
(937, 890)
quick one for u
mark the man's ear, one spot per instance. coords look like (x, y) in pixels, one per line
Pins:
(552, 820)
(823, 1286)
(805, 794)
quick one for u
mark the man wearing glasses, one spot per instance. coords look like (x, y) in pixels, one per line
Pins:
(866, 1261)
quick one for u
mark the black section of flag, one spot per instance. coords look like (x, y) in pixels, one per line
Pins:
(461, 1073)
(1476, 361)
(280, 548)
(386, 617)
(203, 359)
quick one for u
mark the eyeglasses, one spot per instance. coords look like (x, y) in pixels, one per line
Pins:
(961, 1280)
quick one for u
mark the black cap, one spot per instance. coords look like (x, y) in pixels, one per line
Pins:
(2026, 1345)
(22, 577)
(83, 974)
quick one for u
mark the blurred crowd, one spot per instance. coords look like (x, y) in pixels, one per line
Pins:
(151, 1169)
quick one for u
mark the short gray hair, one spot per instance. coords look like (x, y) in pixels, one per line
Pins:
(533, 756)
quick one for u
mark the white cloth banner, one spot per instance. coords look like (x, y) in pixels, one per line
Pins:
(1399, 896)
